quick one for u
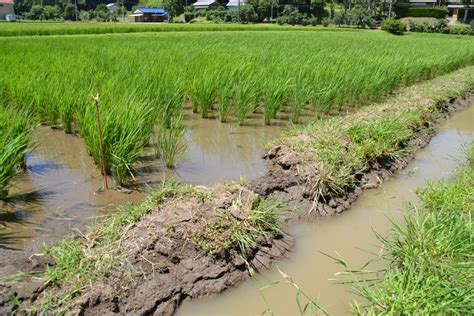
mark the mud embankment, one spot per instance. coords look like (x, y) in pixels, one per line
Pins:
(292, 177)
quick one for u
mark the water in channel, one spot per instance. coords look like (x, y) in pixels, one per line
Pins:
(348, 235)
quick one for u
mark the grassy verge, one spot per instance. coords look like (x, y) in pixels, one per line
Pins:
(430, 255)
(337, 151)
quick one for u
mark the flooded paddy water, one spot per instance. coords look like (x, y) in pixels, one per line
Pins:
(349, 236)
(60, 189)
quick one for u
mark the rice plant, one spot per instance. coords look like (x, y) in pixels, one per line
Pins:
(144, 78)
(126, 128)
(170, 145)
(15, 132)
(276, 94)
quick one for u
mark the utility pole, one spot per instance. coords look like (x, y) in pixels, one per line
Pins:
(75, 11)
(123, 12)
(271, 12)
(238, 11)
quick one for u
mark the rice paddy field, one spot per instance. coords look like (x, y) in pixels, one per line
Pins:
(64, 28)
(79, 100)
(147, 81)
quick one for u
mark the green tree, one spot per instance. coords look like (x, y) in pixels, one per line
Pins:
(70, 12)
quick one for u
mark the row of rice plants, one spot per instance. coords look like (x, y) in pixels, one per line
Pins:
(15, 132)
(147, 80)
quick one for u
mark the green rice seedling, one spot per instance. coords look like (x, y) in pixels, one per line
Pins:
(170, 144)
(170, 101)
(246, 97)
(276, 94)
(126, 129)
(15, 132)
(203, 93)
(235, 72)
(224, 96)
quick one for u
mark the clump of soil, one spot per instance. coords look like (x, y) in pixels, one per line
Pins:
(178, 250)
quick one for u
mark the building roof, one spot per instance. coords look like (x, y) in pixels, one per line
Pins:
(235, 3)
(6, 1)
(157, 11)
(202, 3)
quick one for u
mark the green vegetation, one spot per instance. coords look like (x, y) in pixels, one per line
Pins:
(438, 13)
(146, 79)
(394, 26)
(344, 147)
(15, 132)
(35, 28)
(261, 222)
(430, 264)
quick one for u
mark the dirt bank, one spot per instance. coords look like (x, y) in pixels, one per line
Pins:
(295, 175)
(192, 242)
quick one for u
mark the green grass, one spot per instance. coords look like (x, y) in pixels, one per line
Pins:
(261, 222)
(430, 264)
(148, 78)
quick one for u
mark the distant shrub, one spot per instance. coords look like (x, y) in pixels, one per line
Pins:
(401, 9)
(341, 18)
(313, 21)
(326, 22)
(459, 29)
(393, 26)
(438, 13)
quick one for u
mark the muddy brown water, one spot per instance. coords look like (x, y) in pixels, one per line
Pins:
(59, 193)
(348, 236)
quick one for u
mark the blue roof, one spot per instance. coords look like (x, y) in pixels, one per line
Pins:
(159, 11)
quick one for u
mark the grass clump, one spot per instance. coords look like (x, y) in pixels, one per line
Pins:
(430, 255)
(261, 221)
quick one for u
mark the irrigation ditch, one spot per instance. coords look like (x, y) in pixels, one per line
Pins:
(188, 242)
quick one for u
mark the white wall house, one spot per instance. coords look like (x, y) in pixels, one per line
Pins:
(112, 7)
(6, 8)
(205, 4)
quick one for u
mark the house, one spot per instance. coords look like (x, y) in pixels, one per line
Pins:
(206, 4)
(112, 7)
(456, 10)
(151, 15)
(233, 4)
(6, 8)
